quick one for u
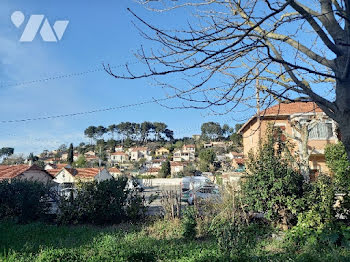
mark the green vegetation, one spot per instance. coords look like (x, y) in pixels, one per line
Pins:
(165, 169)
(273, 186)
(156, 241)
(21, 200)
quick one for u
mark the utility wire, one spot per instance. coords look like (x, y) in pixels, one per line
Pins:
(88, 112)
(61, 76)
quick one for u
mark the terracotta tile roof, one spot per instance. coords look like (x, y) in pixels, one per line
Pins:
(291, 108)
(10, 172)
(60, 166)
(236, 154)
(178, 163)
(53, 172)
(189, 146)
(83, 172)
(240, 160)
(158, 160)
(135, 149)
(114, 170)
(286, 109)
(153, 170)
(119, 154)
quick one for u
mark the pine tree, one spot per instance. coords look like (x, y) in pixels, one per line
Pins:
(70, 157)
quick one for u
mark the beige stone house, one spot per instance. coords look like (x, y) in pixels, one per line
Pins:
(136, 153)
(321, 130)
(176, 167)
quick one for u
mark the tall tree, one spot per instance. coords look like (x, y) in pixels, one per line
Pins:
(70, 157)
(91, 132)
(165, 170)
(211, 130)
(146, 128)
(294, 48)
(159, 129)
(6, 151)
(100, 131)
(112, 129)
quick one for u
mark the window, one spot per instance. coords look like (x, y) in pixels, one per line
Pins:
(321, 131)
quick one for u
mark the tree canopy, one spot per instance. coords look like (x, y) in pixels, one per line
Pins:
(293, 49)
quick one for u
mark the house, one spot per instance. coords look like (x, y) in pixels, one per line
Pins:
(238, 164)
(55, 166)
(119, 157)
(64, 156)
(152, 172)
(162, 152)
(24, 172)
(176, 167)
(181, 155)
(321, 130)
(115, 172)
(235, 155)
(90, 153)
(189, 149)
(136, 153)
(119, 149)
(71, 176)
(156, 163)
(90, 158)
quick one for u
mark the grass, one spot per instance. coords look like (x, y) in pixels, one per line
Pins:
(157, 241)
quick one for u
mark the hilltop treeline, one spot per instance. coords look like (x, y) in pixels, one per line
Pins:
(141, 132)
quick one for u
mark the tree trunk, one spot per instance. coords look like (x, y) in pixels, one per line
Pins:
(343, 114)
(304, 153)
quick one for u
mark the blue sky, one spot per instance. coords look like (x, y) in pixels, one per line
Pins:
(98, 32)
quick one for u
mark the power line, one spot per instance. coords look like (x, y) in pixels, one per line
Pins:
(61, 76)
(88, 112)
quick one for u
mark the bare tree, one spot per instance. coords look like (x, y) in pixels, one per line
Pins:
(297, 48)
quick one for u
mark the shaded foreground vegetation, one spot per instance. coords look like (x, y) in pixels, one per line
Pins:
(156, 241)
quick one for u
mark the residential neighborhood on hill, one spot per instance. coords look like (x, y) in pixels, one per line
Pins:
(211, 151)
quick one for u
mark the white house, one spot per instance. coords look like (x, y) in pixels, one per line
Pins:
(71, 176)
(119, 157)
(115, 172)
(181, 155)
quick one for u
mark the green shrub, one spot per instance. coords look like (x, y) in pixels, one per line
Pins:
(317, 225)
(236, 238)
(338, 163)
(189, 223)
(272, 186)
(23, 200)
(107, 202)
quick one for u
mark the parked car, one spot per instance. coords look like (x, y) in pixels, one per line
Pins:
(204, 192)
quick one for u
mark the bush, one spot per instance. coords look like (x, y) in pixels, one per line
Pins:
(272, 186)
(189, 223)
(338, 163)
(107, 202)
(235, 238)
(317, 225)
(23, 200)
